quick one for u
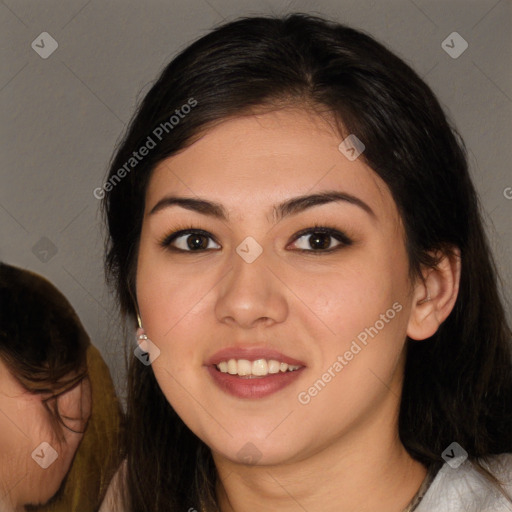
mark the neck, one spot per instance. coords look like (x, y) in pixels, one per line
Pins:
(365, 470)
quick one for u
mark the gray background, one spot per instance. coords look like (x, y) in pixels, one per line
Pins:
(62, 116)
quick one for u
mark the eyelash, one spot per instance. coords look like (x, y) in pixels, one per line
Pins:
(328, 230)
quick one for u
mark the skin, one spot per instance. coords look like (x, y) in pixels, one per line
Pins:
(25, 423)
(328, 454)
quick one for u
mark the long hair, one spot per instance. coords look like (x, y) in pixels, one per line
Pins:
(458, 383)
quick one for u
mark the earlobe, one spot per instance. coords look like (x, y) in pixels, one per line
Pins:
(434, 296)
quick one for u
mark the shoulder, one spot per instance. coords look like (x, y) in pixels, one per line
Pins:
(464, 489)
(112, 501)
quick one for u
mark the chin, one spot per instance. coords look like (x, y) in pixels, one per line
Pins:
(243, 450)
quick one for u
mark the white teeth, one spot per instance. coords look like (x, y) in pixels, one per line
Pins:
(273, 366)
(232, 367)
(257, 368)
(244, 367)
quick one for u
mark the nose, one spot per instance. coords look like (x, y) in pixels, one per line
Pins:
(251, 294)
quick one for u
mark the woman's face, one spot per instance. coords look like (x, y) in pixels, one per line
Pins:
(252, 288)
(35, 449)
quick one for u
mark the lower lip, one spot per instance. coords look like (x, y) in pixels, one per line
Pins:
(257, 387)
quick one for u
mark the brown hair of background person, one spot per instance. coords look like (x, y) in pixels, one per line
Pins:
(45, 394)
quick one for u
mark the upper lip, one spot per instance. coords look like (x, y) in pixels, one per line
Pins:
(251, 354)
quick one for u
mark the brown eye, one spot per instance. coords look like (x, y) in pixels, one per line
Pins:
(322, 239)
(189, 241)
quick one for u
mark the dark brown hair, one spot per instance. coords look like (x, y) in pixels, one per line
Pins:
(458, 384)
(42, 340)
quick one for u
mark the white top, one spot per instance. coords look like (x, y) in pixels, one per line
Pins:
(453, 490)
(465, 490)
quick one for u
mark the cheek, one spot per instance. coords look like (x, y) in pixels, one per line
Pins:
(347, 301)
(13, 442)
(363, 309)
(166, 292)
(174, 307)
(366, 310)
(19, 457)
(176, 297)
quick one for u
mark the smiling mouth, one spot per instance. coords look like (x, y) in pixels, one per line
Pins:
(255, 369)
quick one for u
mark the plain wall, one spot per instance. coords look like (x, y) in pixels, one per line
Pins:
(62, 116)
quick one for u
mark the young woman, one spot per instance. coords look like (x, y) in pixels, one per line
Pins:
(293, 227)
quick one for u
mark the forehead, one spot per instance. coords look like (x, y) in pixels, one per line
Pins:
(251, 162)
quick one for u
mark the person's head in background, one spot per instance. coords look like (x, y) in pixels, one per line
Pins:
(45, 398)
(249, 116)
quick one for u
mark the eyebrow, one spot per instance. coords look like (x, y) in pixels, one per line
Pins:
(289, 207)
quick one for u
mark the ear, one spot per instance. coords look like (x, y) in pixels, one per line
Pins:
(434, 295)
